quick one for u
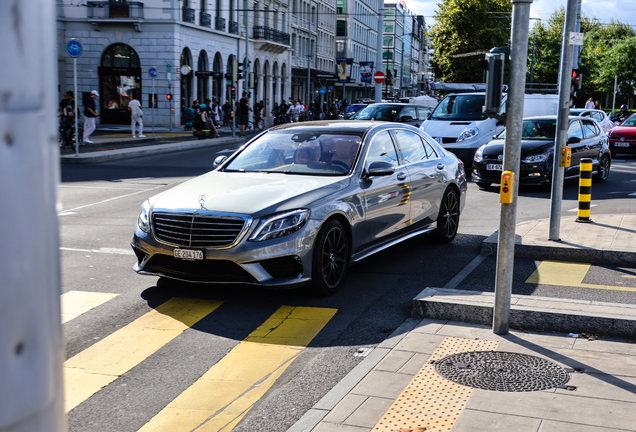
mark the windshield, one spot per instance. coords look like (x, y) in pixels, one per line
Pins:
(353, 108)
(631, 121)
(299, 152)
(377, 112)
(539, 130)
(460, 107)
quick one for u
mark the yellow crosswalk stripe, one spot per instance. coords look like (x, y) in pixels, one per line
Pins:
(571, 274)
(96, 367)
(220, 399)
(75, 303)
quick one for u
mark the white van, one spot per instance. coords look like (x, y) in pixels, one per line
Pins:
(460, 126)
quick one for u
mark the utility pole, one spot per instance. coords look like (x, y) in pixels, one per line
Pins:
(378, 58)
(511, 162)
(31, 343)
(565, 83)
(309, 57)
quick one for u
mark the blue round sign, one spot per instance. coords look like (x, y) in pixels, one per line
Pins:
(74, 48)
(153, 72)
(330, 88)
(322, 91)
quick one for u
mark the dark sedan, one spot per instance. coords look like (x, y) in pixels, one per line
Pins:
(585, 138)
(301, 202)
(622, 139)
(408, 113)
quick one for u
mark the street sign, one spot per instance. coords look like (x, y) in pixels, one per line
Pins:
(204, 73)
(330, 88)
(169, 67)
(378, 77)
(74, 48)
(153, 72)
(322, 91)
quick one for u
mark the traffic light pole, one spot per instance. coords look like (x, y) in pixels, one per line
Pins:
(565, 85)
(378, 57)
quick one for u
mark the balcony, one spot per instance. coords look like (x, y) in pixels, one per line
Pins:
(116, 10)
(188, 15)
(262, 32)
(205, 20)
(219, 23)
(234, 27)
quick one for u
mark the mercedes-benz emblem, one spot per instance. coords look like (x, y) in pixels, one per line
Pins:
(202, 200)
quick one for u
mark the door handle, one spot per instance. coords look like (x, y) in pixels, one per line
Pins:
(440, 166)
(401, 176)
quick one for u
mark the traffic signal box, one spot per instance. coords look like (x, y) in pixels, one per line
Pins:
(576, 78)
(169, 96)
(507, 187)
(566, 156)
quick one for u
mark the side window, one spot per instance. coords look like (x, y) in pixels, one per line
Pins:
(422, 113)
(597, 116)
(589, 129)
(575, 131)
(408, 112)
(382, 149)
(411, 146)
(430, 150)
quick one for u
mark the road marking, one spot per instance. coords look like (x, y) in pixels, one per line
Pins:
(459, 277)
(226, 151)
(114, 251)
(567, 274)
(114, 198)
(220, 399)
(66, 213)
(96, 367)
(628, 276)
(75, 303)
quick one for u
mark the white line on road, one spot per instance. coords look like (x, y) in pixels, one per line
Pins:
(113, 251)
(114, 198)
(226, 151)
(576, 209)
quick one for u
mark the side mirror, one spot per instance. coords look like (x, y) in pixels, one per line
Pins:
(379, 168)
(219, 161)
(574, 140)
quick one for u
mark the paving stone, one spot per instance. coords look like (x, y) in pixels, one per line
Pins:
(471, 421)
(382, 384)
(345, 408)
(370, 412)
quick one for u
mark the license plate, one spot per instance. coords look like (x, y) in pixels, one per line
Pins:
(188, 254)
(494, 167)
(621, 144)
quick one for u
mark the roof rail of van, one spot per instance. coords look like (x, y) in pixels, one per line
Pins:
(542, 88)
(458, 87)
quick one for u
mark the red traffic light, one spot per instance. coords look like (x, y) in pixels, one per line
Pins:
(233, 89)
(576, 75)
(169, 96)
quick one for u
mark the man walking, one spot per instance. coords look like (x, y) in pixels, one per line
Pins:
(136, 117)
(244, 109)
(90, 112)
(589, 104)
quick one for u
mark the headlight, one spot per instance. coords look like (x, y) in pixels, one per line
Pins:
(143, 221)
(535, 158)
(280, 225)
(468, 134)
(479, 154)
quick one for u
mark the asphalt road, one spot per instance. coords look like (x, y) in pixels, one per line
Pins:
(100, 207)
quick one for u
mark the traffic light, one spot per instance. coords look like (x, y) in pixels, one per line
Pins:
(233, 92)
(237, 72)
(576, 77)
(169, 96)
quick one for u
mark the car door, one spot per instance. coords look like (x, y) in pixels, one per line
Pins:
(576, 142)
(593, 139)
(386, 204)
(426, 176)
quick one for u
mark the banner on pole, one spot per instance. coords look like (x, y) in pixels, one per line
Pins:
(343, 69)
(366, 71)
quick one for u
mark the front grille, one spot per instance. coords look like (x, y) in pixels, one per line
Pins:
(198, 271)
(197, 230)
(446, 140)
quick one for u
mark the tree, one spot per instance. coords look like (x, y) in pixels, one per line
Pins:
(466, 26)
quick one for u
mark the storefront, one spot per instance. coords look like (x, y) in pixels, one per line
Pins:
(119, 83)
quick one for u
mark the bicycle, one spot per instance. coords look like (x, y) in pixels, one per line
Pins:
(259, 123)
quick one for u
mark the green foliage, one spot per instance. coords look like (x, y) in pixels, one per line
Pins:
(464, 26)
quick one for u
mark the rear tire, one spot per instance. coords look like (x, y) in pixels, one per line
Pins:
(448, 218)
(603, 170)
(330, 258)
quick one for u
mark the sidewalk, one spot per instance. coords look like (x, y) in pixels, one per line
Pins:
(539, 381)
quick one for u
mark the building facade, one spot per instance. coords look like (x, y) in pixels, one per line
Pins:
(191, 43)
(402, 51)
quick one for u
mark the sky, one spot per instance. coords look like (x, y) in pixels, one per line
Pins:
(623, 11)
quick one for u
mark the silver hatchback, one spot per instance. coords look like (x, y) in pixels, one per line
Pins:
(300, 203)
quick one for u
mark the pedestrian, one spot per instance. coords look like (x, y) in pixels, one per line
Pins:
(90, 113)
(243, 111)
(216, 108)
(589, 104)
(136, 117)
(597, 105)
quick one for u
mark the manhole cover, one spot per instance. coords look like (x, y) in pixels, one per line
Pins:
(501, 371)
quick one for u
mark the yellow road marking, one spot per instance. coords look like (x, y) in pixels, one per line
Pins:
(628, 276)
(75, 303)
(430, 401)
(96, 367)
(567, 274)
(220, 399)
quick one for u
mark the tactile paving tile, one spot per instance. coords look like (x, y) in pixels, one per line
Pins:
(430, 401)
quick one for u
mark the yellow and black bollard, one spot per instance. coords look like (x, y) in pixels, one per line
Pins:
(585, 190)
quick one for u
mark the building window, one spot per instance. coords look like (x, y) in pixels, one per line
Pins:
(388, 28)
(341, 6)
(387, 42)
(389, 14)
(387, 55)
(341, 28)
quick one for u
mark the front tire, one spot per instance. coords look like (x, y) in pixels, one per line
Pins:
(448, 218)
(603, 170)
(330, 258)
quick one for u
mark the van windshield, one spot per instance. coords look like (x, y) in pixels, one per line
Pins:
(460, 107)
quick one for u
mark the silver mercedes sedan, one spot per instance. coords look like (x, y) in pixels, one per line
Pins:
(301, 202)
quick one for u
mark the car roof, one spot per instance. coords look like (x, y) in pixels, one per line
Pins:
(399, 104)
(335, 126)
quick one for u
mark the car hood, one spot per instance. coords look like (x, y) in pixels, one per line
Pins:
(529, 147)
(623, 131)
(254, 194)
(448, 129)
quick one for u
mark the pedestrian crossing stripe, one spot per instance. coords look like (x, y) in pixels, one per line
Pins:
(220, 399)
(570, 274)
(97, 366)
(75, 303)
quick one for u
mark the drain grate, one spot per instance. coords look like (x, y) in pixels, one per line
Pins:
(502, 371)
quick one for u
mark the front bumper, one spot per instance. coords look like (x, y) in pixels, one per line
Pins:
(282, 262)
(621, 148)
(535, 173)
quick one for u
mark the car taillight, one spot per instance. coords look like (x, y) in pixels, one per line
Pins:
(462, 163)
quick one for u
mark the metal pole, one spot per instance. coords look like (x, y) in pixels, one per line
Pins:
(246, 71)
(534, 39)
(512, 160)
(31, 342)
(75, 107)
(154, 102)
(614, 99)
(565, 83)
(309, 57)
(378, 57)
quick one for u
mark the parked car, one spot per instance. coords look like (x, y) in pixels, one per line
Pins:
(300, 203)
(412, 114)
(599, 115)
(352, 109)
(622, 139)
(585, 138)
